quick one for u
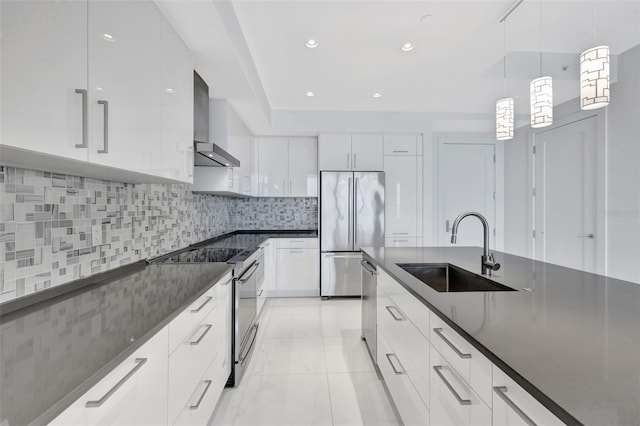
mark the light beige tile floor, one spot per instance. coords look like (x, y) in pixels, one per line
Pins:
(310, 367)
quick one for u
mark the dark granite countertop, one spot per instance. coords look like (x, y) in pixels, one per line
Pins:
(243, 239)
(573, 342)
(55, 350)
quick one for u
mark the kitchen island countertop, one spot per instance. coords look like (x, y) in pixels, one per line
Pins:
(572, 340)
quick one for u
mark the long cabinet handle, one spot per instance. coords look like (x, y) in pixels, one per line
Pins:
(355, 161)
(461, 401)
(399, 371)
(85, 119)
(367, 267)
(199, 339)
(502, 393)
(199, 308)
(355, 212)
(97, 403)
(348, 163)
(105, 148)
(399, 150)
(462, 355)
(398, 317)
(204, 392)
(245, 277)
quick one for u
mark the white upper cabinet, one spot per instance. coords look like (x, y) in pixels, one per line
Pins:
(287, 167)
(125, 76)
(177, 106)
(334, 152)
(273, 164)
(44, 77)
(402, 196)
(400, 144)
(303, 167)
(367, 152)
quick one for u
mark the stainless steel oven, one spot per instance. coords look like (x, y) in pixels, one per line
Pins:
(248, 277)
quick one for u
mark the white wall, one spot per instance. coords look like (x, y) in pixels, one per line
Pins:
(622, 175)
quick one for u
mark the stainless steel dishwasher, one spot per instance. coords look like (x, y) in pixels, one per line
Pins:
(369, 316)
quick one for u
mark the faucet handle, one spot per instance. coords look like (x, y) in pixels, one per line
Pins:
(490, 263)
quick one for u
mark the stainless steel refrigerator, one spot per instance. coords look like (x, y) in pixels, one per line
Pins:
(351, 217)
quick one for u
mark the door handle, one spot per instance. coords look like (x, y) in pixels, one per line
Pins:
(355, 161)
(461, 401)
(355, 212)
(589, 236)
(502, 393)
(399, 316)
(398, 371)
(462, 355)
(207, 383)
(85, 119)
(97, 403)
(368, 267)
(199, 339)
(348, 162)
(105, 131)
(209, 298)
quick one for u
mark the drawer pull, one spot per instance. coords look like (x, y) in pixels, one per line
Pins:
(398, 317)
(438, 331)
(261, 291)
(461, 401)
(502, 393)
(139, 363)
(85, 119)
(393, 365)
(400, 233)
(202, 306)
(400, 241)
(204, 392)
(400, 150)
(207, 328)
(105, 130)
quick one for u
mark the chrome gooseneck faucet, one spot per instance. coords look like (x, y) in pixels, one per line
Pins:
(488, 263)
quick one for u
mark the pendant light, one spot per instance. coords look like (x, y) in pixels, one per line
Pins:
(541, 94)
(504, 106)
(594, 74)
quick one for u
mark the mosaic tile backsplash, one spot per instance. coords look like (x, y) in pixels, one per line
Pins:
(46, 223)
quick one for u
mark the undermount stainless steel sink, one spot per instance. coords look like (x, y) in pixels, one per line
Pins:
(444, 277)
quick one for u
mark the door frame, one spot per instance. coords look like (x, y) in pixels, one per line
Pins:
(470, 139)
(601, 180)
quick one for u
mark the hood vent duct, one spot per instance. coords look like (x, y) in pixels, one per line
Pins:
(207, 154)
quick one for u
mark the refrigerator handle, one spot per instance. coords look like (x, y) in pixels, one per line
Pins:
(350, 218)
(355, 216)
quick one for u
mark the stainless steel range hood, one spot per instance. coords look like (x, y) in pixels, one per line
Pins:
(207, 154)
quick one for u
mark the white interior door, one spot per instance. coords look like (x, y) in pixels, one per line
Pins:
(566, 195)
(467, 180)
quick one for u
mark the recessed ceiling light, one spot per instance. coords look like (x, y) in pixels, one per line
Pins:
(108, 37)
(170, 90)
(311, 43)
(407, 47)
(310, 94)
(377, 95)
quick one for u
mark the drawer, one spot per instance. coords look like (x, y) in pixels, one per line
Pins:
(133, 393)
(410, 346)
(512, 405)
(406, 398)
(402, 241)
(413, 308)
(453, 402)
(297, 243)
(192, 358)
(467, 361)
(184, 323)
(400, 144)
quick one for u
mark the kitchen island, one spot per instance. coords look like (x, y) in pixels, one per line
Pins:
(571, 339)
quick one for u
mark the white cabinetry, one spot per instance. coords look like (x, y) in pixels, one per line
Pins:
(361, 152)
(270, 266)
(177, 107)
(402, 200)
(298, 274)
(133, 393)
(44, 64)
(287, 167)
(401, 144)
(100, 101)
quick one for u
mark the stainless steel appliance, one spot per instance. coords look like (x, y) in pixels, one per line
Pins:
(248, 275)
(369, 307)
(351, 216)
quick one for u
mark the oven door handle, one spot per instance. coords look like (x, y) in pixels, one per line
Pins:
(249, 346)
(249, 273)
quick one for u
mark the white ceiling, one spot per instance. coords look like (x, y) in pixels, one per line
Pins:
(254, 51)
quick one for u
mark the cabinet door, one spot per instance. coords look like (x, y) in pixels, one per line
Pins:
(134, 393)
(270, 259)
(367, 151)
(401, 199)
(298, 272)
(334, 152)
(400, 144)
(273, 167)
(303, 167)
(44, 62)
(125, 77)
(177, 106)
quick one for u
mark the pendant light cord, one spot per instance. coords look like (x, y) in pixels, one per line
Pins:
(594, 22)
(504, 58)
(540, 38)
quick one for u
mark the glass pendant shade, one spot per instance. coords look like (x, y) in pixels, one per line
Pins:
(594, 78)
(541, 90)
(504, 119)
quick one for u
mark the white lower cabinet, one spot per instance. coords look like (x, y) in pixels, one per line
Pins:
(298, 274)
(133, 393)
(512, 405)
(453, 402)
